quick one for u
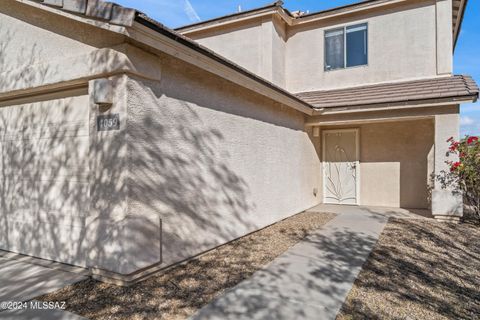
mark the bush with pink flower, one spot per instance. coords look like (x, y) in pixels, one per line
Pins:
(464, 175)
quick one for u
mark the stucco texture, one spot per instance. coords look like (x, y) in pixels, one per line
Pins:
(213, 161)
(30, 37)
(401, 45)
(197, 161)
(396, 161)
(258, 45)
(405, 41)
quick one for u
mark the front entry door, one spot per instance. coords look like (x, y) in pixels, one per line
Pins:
(340, 166)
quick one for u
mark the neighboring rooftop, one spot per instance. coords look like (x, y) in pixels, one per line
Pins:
(455, 87)
(458, 10)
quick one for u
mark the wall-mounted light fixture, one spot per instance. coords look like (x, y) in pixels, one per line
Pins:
(103, 94)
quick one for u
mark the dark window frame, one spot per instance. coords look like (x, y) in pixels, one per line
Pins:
(345, 62)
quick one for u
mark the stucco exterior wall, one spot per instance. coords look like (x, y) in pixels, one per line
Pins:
(446, 203)
(258, 45)
(239, 43)
(406, 41)
(48, 150)
(197, 160)
(29, 36)
(396, 161)
(279, 52)
(214, 162)
(44, 177)
(401, 45)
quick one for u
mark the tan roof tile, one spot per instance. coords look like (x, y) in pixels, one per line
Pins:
(435, 88)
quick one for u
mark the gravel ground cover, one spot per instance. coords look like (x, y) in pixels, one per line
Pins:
(182, 290)
(419, 269)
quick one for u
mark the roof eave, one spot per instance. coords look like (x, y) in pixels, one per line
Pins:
(287, 98)
(285, 14)
(268, 9)
(178, 42)
(319, 110)
(458, 25)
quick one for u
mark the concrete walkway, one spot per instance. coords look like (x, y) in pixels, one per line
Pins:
(312, 279)
(24, 278)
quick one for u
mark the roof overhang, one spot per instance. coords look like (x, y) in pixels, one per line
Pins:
(458, 13)
(401, 114)
(394, 106)
(192, 52)
(395, 95)
(140, 29)
(276, 8)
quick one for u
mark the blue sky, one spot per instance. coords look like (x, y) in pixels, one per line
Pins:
(175, 13)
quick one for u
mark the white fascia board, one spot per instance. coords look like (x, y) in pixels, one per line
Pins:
(382, 115)
(386, 107)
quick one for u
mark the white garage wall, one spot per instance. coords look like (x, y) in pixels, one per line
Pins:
(44, 190)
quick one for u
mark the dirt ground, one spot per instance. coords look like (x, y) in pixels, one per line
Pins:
(181, 291)
(419, 269)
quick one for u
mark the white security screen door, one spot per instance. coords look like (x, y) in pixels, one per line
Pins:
(340, 166)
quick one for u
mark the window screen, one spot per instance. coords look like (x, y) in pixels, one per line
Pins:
(346, 47)
(334, 49)
(357, 45)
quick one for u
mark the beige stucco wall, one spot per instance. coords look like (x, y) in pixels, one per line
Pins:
(197, 161)
(257, 45)
(445, 203)
(62, 195)
(29, 37)
(406, 41)
(214, 162)
(401, 45)
(396, 161)
(279, 52)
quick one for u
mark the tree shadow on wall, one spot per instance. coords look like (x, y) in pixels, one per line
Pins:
(43, 172)
(60, 195)
(168, 165)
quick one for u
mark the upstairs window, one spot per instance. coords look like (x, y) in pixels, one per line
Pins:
(346, 47)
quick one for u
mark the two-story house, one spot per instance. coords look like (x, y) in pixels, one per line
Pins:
(379, 75)
(128, 147)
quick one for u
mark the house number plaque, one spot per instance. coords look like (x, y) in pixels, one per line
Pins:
(108, 122)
